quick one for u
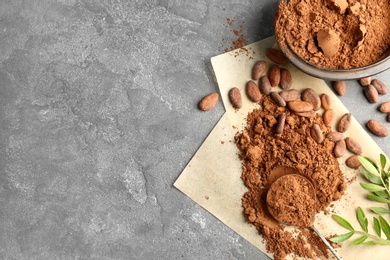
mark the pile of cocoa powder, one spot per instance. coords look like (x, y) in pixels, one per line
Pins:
(336, 34)
(267, 155)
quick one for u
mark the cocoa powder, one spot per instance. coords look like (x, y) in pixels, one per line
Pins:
(329, 36)
(291, 200)
(266, 156)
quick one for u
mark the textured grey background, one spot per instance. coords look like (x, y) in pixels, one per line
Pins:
(98, 117)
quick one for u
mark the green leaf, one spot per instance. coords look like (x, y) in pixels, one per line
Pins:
(370, 177)
(342, 238)
(381, 242)
(358, 241)
(343, 222)
(376, 198)
(377, 227)
(383, 160)
(385, 227)
(369, 166)
(362, 219)
(380, 210)
(382, 194)
(372, 187)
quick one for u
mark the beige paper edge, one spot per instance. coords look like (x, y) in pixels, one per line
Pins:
(212, 177)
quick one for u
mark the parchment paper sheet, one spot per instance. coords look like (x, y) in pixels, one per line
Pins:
(212, 177)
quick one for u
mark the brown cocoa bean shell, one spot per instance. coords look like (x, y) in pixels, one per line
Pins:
(353, 146)
(385, 107)
(335, 136)
(316, 133)
(328, 117)
(277, 99)
(290, 95)
(339, 148)
(353, 162)
(235, 98)
(209, 101)
(380, 87)
(274, 75)
(371, 94)
(276, 56)
(365, 81)
(377, 128)
(340, 87)
(309, 95)
(388, 117)
(344, 123)
(252, 91)
(300, 106)
(280, 125)
(311, 113)
(265, 85)
(326, 101)
(259, 69)
(285, 79)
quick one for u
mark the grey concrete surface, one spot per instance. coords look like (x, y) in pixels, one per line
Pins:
(98, 117)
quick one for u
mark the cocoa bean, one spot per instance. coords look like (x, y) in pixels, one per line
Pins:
(325, 101)
(377, 128)
(365, 81)
(371, 94)
(252, 91)
(274, 75)
(285, 79)
(277, 99)
(209, 101)
(340, 87)
(309, 95)
(280, 125)
(335, 136)
(379, 86)
(328, 117)
(388, 117)
(259, 69)
(385, 107)
(353, 162)
(353, 146)
(276, 56)
(235, 97)
(299, 106)
(264, 85)
(311, 113)
(344, 123)
(316, 133)
(290, 95)
(339, 148)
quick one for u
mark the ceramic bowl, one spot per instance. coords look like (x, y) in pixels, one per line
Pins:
(314, 70)
(337, 74)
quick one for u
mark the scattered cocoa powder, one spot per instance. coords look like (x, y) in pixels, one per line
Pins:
(239, 41)
(266, 156)
(326, 34)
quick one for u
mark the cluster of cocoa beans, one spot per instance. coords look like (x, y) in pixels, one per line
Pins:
(372, 89)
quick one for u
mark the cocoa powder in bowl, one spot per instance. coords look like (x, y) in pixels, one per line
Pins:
(266, 156)
(335, 34)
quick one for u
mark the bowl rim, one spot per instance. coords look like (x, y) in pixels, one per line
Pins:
(335, 74)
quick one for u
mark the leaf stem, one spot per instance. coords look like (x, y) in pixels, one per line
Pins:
(383, 175)
(373, 237)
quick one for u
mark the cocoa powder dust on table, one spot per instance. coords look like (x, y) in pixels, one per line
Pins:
(239, 42)
(266, 156)
(336, 34)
